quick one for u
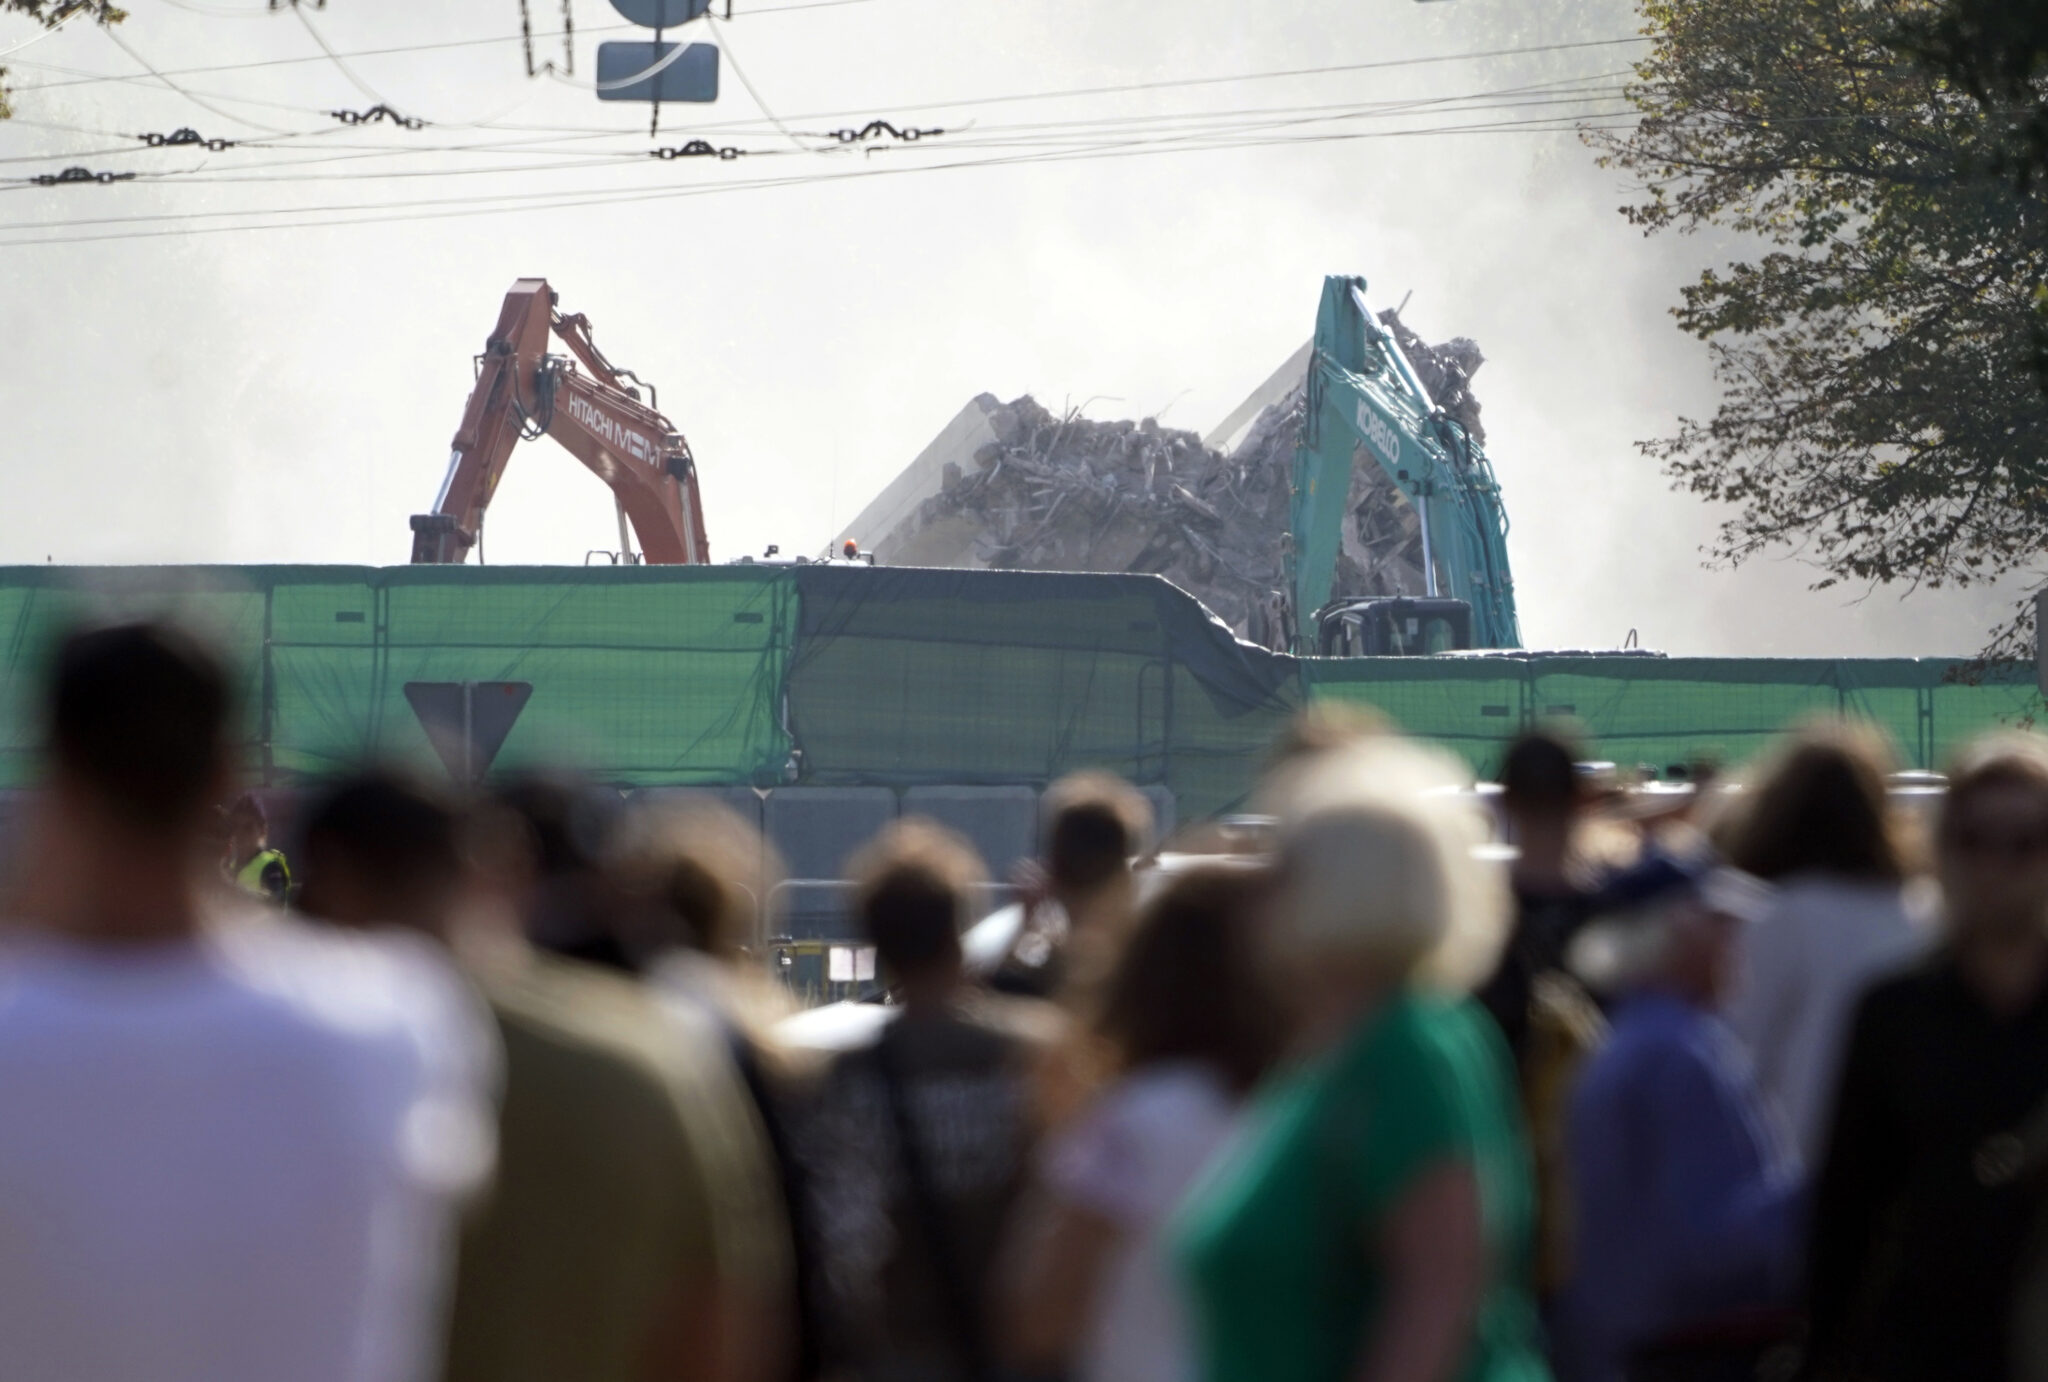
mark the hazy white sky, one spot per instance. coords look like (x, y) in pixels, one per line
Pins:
(287, 394)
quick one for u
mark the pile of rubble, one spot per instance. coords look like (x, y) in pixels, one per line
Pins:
(1015, 485)
(1060, 492)
(1445, 370)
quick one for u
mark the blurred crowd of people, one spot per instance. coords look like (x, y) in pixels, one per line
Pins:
(1397, 1080)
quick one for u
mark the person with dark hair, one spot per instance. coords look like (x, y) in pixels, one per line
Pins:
(920, 1139)
(249, 861)
(566, 910)
(1818, 825)
(690, 876)
(233, 1151)
(383, 850)
(1542, 804)
(1191, 1025)
(1551, 1024)
(1927, 1204)
(632, 1229)
(1077, 900)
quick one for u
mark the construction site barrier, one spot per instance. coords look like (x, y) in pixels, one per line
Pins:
(765, 676)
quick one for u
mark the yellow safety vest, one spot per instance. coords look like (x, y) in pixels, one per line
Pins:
(249, 877)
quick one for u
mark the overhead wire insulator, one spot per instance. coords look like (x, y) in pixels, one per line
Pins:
(697, 148)
(78, 175)
(376, 113)
(882, 129)
(186, 135)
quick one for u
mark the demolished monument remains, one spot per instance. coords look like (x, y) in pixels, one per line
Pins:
(1017, 486)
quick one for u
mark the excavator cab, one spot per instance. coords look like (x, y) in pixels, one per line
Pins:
(1393, 626)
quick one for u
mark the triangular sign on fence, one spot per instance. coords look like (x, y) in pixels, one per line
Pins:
(467, 721)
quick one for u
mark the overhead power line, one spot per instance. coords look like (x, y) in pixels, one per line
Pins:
(1181, 83)
(1064, 93)
(753, 93)
(1579, 95)
(299, 12)
(195, 99)
(1587, 95)
(1046, 141)
(86, 78)
(437, 208)
(705, 190)
(39, 36)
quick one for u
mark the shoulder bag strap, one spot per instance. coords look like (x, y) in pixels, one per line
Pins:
(956, 1292)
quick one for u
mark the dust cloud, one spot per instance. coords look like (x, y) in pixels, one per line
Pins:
(287, 394)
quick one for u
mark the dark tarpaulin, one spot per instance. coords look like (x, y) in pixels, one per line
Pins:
(936, 675)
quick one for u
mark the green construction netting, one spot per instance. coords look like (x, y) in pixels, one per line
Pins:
(646, 675)
(834, 675)
(1664, 711)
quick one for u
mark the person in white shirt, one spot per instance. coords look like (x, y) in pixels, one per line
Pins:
(1818, 824)
(233, 1147)
(1190, 1027)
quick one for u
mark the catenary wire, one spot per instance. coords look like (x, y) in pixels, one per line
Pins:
(1054, 94)
(491, 204)
(753, 93)
(341, 65)
(144, 64)
(1022, 135)
(703, 190)
(742, 124)
(589, 131)
(1067, 133)
(34, 39)
(497, 203)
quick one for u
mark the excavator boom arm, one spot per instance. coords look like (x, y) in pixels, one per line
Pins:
(640, 455)
(1364, 395)
(523, 393)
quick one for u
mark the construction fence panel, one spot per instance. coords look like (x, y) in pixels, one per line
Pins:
(1672, 711)
(641, 675)
(1667, 712)
(1897, 694)
(1218, 742)
(1469, 705)
(941, 676)
(645, 675)
(898, 677)
(40, 604)
(2003, 697)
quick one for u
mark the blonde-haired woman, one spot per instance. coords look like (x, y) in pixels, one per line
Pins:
(1374, 1220)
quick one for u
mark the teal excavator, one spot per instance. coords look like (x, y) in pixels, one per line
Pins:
(1371, 422)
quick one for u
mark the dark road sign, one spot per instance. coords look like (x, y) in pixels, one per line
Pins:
(657, 72)
(467, 721)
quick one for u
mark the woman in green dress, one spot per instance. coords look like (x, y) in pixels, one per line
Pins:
(1373, 1222)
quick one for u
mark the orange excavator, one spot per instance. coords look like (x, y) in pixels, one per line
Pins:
(523, 393)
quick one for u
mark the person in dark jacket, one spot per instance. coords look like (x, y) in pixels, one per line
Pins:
(1543, 804)
(921, 1137)
(1921, 1219)
(1687, 1198)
